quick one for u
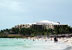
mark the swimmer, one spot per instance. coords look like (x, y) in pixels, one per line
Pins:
(55, 39)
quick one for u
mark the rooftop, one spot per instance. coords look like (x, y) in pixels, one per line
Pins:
(46, 22)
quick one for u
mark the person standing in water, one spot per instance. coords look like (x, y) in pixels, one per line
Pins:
(55, 39)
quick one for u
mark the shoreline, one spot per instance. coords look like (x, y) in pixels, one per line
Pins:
(65, 40)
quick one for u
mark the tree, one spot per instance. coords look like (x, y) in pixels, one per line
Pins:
(15, 30)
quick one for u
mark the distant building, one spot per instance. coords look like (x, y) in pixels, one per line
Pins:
(23, 26)
(44, 24)
(41, 25)
(47, 25)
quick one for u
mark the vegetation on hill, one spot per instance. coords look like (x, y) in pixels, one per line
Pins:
(36, 32)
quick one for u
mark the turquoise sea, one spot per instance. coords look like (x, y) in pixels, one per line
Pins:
(27, 44)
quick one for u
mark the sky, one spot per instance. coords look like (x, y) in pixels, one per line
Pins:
(14, 12)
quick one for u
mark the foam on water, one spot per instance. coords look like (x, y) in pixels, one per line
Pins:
(26, 44)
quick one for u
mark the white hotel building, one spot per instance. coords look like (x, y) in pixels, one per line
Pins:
(45, 24)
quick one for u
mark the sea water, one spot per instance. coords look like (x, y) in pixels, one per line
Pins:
(27, 44)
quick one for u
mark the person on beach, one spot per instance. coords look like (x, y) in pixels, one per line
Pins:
(55, 39)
